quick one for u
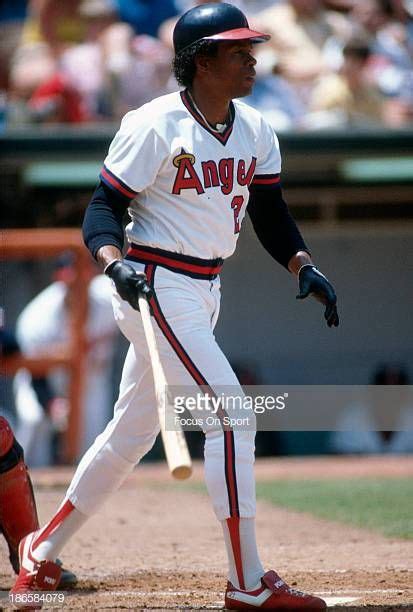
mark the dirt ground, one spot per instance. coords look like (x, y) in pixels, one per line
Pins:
(157, 545)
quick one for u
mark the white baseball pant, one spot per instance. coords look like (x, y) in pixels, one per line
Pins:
(186, 310)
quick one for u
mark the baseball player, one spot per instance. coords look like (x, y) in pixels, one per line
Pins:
(186, 165)
(42, 327)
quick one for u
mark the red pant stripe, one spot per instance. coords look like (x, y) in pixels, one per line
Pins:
(230, 474)
(55, 522)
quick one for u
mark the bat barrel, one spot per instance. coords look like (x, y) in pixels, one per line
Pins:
(182, 472)
(176, 449)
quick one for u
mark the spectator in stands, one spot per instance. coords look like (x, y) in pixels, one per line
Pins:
(368, 17)
(347, 98)
(56, 101)
(39, 92)
(12, 16)
(389, 26)
(356, 431)
(276, 99)
(137, 68)
(124, 70)
(43, 327)
(300, 31)
(83, 64)
(344, 6)
(79, 62)
(63, 25)
(145, 16)
(55, 23)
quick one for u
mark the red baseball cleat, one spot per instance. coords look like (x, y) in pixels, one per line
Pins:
(33, 576)
(273, 594)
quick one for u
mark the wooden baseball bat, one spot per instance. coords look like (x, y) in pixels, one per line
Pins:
(176, 449)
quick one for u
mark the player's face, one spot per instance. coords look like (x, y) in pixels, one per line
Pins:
(233, 69)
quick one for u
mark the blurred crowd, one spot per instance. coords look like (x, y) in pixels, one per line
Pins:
(330, 63)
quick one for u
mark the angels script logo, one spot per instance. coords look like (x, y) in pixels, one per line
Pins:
(224, 174)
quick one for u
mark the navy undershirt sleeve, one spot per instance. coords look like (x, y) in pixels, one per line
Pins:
(273, 223)
(102, 224)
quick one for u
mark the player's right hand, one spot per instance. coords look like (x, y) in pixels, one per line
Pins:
(129, 283)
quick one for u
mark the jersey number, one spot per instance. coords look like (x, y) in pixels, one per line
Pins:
(236, 205)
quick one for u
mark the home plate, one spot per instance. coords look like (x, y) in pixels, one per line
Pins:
(334, 601)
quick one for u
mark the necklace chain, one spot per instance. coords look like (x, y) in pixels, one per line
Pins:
(219, 127)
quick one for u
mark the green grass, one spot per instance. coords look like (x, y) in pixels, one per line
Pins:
(380, 504)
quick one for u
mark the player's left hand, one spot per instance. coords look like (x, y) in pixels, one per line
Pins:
(312, 282)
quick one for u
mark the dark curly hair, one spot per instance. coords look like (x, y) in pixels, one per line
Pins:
(183, 65)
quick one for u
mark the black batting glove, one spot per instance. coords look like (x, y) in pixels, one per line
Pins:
(312, 282)
(129, 283)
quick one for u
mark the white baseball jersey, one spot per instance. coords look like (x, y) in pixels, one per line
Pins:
(189, 182)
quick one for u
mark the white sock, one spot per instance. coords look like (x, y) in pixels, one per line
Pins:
(50, 547)
(251, 565)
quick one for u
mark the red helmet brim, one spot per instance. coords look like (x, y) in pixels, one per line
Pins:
(240, 34)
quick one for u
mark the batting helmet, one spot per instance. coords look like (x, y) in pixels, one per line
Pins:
(214, 21)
